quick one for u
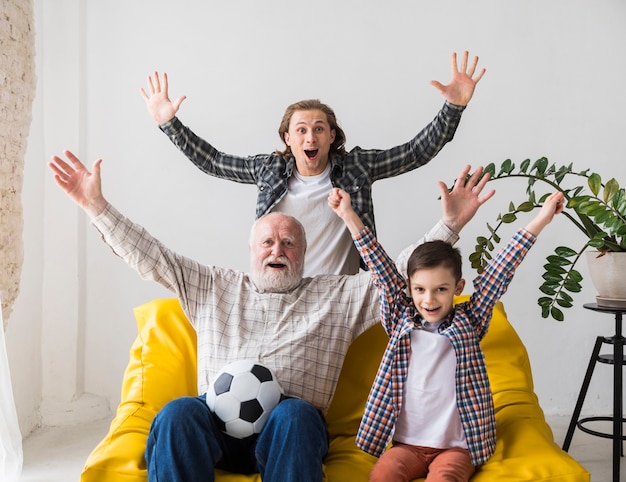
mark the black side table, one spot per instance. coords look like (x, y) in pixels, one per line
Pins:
(617, 360)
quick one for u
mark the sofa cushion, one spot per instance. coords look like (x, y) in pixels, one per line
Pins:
(162, 366)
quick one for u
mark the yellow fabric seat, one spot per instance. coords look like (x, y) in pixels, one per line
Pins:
(162, 367)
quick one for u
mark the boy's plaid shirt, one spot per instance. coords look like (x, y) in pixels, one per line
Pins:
(467, 325)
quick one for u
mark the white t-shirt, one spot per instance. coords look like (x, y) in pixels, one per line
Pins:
(429, 415)
(329, 244)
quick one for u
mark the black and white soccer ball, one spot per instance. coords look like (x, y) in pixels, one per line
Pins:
(242, 396)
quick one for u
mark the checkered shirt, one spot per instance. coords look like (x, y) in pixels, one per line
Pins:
(353, 171)
(465, 328)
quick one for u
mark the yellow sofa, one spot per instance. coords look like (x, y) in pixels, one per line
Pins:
(162, 366)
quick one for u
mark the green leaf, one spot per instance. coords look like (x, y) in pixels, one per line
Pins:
(558, 261)
(603, 216)
(526, 207)
(548, 276)
(562, 172)
(475, 255)
(507, 167)
(524, 165)
(610, 189)
(557, 314)
(575, 276)
(565, 252)
(544, 301)
(564, 303)
(540, 166)
(554, 269)
(596, 243)
(509, 218)
(547, 289)
(595, 183)
(572, 287)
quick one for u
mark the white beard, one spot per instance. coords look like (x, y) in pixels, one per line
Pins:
(274, 281)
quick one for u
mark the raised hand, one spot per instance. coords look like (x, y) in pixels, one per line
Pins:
(461, 88)
(553, 205)
(82, 187)
(339, 201)
(159, 105)
(461, 203)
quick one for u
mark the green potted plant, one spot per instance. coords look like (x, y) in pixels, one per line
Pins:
(596, 208)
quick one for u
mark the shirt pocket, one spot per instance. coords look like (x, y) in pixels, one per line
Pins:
(354, 185)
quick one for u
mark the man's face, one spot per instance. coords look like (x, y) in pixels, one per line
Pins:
(277, 248)
(309, 138)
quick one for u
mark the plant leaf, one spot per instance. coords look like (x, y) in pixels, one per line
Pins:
(557, 314)
(595, 183)
(611, 187)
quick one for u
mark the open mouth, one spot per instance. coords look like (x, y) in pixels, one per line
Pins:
(311, 153)
(276, 265)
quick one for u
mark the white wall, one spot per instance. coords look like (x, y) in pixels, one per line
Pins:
(553, 88)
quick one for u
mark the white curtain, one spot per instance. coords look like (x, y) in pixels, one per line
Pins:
(11, 456)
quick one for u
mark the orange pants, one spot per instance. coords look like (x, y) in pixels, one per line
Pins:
(403, 463)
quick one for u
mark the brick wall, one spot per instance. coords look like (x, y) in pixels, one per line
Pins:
(17, 89)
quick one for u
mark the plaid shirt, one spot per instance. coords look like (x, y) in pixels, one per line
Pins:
(303, 335)
(465, 328)
(353, 171)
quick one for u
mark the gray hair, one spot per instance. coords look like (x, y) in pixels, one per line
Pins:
(292, 218)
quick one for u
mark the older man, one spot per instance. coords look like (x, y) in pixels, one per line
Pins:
(299, 327)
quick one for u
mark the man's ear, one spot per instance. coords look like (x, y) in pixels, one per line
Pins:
(333, 134)
(459, 287)
(286, 138)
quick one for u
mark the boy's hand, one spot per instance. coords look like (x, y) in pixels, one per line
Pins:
(553, 204)
(339, 201)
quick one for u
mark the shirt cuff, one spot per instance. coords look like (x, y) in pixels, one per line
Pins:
(453, 109)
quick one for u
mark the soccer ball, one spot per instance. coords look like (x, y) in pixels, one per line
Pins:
(242, 396)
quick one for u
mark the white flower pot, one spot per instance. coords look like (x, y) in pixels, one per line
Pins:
(608, 274)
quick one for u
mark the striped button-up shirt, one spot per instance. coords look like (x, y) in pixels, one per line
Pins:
(465, 328)
(353, 171)
(302, 335)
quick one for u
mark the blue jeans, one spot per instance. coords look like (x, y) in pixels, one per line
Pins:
(185, 444)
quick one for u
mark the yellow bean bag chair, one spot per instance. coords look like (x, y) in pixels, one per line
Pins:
(162, 366)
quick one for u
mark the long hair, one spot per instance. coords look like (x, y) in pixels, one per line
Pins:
(338, 145)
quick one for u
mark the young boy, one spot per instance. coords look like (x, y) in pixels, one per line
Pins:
(431, 396)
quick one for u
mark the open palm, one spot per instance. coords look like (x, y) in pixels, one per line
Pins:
(461, 87)
(81, 186)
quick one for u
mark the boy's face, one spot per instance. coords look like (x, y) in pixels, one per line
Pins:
(433, 290)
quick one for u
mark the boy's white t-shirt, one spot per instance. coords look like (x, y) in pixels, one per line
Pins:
(429, 416)
(330, 249)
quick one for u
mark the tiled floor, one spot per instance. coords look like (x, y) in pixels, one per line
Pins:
(58, 454)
